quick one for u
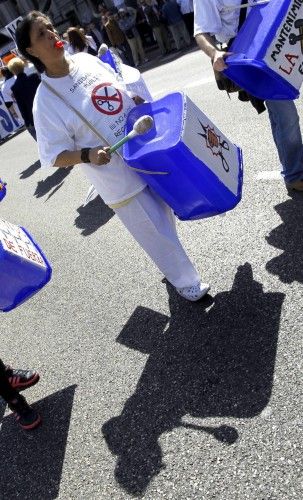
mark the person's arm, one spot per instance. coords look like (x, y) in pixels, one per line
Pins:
(207, 44)
(97, 156)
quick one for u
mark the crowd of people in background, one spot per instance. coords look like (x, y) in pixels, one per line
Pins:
(136, 27)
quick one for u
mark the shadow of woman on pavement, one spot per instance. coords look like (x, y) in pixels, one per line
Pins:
(207, 363)
(289, 238)
(52, 182)
(94, 215)
(30, 170)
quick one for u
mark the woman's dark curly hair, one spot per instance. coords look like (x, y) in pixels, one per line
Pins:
(23, 37)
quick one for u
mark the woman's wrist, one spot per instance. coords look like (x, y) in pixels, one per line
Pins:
(85, 155)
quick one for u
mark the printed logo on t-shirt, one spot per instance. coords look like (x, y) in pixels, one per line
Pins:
(107, 99)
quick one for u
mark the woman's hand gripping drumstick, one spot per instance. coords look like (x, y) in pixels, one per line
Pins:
(103, 156)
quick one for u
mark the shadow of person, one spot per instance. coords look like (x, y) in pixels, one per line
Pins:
(31, 464)
(209, 362)
(30, 170)
(94, 215)
(51, 182)
(289, 238)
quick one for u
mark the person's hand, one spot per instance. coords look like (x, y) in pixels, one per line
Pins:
(138, 100)
(219, 60)
(100, 156)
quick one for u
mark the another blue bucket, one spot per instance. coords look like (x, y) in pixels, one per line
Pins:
(108, 59)
(24, 269)
(2, 190)
(202, 169)
(267, 58)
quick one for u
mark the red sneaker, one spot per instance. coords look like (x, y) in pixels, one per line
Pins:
(21, 379)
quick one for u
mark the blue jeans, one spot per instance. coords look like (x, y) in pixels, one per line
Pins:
(285, 126)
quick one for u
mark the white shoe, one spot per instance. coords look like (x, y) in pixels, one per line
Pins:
(195, 292)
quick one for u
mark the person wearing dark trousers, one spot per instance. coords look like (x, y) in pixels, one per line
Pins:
(11, 382)
(172, 14)
(24, 91)
(187, 11)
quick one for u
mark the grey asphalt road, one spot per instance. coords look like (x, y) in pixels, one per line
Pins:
(143, 394)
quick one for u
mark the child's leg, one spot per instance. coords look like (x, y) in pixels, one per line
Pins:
(7, 392)
(26, 416)
(152, 223)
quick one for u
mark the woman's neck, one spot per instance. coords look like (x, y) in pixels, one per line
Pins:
(58, 69)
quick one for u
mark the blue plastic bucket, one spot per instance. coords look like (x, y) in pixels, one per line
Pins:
(108, 59)
(201, 169)
(24, 269)
(267, 58)
(2, 190)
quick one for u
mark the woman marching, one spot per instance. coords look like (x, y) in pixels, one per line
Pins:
(79, 93)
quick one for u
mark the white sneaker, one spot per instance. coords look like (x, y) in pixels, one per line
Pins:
(195, 292)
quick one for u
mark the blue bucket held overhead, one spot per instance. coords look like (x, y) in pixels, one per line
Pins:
(267, 58)
(201, 169)
(24, 269)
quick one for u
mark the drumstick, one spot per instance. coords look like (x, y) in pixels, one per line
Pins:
(141, 126)
(249, 4)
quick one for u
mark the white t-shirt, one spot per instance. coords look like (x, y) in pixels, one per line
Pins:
(186, 6)
(91, 88)
(213, 17)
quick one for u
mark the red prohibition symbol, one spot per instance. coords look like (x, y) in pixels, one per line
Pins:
(107, 99)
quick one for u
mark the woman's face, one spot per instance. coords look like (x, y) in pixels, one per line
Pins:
(43, 39)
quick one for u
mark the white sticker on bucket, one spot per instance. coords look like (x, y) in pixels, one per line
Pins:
(210, 146)
(285, 54)
(15, 241)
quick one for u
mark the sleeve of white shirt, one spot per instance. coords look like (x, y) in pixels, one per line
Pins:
(207, 17)
(53, 136)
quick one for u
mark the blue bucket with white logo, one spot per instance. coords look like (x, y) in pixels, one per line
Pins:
(187, 160)
(24, 269)
(267, 54)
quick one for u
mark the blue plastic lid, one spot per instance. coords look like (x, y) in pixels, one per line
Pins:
(168, 122)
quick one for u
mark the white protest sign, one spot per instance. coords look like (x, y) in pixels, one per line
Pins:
(15, 241)
(285, 53)
(11, 27)
(7, 125)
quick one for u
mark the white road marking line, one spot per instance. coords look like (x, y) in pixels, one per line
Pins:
(269, 175)
(200, 82)
(197, 83)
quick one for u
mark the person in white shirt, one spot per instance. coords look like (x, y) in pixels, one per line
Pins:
(215, 23)
(83, 84)
(187, 11)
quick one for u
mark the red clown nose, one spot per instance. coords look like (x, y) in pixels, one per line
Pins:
(59, 44)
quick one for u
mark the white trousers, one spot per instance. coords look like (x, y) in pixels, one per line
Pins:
(152, 223)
